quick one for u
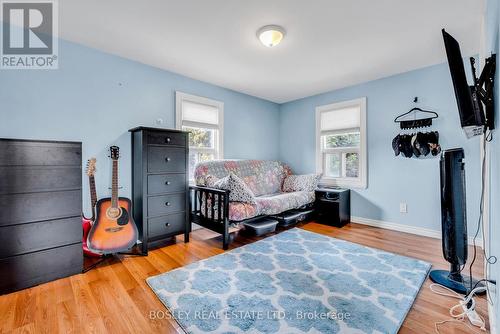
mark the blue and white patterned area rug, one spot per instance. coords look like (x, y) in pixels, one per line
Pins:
(293, 282)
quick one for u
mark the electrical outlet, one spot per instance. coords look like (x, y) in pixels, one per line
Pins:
(403, 208)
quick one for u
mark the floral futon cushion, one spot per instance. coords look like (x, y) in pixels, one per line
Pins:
(307, 182)
(263, 178)
(277, 203)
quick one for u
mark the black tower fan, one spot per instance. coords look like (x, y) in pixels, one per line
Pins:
(453, 221)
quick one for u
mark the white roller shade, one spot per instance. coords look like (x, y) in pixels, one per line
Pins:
(340, 119)
(199, 113)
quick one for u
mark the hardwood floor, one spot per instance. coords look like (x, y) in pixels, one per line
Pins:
(114, 297)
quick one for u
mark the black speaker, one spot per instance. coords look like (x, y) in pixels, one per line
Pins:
(453, 222)
(453, 210)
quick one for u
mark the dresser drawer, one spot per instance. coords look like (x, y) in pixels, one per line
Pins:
(25, 208)
(24, 238)
(162, 205)
(169, 139)
(26, 270)
(160, 184)
(15, 153)
(167, 225)
(39, 178)
(166, 159)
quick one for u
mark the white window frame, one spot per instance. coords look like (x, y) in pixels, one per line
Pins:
(180, 97)
(362, 180)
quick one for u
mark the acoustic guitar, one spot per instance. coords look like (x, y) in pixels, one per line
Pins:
(87, 222)
(114, 229)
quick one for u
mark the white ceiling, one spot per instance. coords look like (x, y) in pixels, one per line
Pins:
(329, 43)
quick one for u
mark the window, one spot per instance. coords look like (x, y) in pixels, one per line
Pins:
(341, 143)
(203, 118)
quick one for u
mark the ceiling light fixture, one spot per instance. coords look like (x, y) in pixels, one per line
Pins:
(271, 35)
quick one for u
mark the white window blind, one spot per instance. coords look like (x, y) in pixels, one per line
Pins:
(193, 112)
(340, 119)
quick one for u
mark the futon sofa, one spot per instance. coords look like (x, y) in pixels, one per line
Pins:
(211, 208)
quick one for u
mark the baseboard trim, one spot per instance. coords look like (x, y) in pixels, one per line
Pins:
(492, 318)
(491, 309)
(406, 229)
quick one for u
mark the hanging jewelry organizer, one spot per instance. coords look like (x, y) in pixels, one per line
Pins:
(416, 144)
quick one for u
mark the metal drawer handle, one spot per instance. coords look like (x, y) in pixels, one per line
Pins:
(167, 183)
(167, 159)
(167, 204)
(168, 140)
(167, 224)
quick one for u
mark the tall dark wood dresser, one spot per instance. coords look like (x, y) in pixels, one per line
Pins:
(40, 212)
(160, 195)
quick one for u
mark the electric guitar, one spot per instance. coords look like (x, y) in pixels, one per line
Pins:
(114, 229)
(87, 222)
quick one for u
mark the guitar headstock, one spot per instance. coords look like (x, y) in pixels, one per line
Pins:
(114, 152)
(90, 170)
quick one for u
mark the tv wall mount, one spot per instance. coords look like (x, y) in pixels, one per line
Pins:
(483, 89)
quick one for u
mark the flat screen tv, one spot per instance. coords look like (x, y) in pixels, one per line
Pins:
(470, 108)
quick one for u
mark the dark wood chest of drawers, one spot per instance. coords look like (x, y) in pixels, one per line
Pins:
(160, 184)
(40, 212)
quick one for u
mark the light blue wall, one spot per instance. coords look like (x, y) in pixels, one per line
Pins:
(492, 45)
(391, 179)
(96, 97)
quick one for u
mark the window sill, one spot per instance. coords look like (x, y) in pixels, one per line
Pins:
(343, 183)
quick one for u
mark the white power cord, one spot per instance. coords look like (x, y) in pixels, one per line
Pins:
(467, 307)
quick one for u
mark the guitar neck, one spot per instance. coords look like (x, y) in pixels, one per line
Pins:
(93, 193)
(114, 185)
